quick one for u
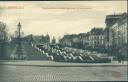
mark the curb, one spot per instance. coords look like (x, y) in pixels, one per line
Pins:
(67, 65)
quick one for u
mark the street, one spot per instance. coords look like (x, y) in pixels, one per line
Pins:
(14, 73)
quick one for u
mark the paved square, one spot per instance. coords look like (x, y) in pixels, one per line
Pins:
(10, 73)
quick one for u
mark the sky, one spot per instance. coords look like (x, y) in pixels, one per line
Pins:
(58, 17)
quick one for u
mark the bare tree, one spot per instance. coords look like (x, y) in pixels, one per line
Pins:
(3, 40)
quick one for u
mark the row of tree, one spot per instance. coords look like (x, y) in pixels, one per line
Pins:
(3, 40)
(39, 39)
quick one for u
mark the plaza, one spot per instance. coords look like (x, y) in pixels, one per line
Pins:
(42, 71)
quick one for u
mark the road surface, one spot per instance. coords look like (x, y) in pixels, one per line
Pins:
(14, 73)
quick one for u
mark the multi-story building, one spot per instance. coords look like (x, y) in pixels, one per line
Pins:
(117, 34)
(45, 39)
(85, 40)
(119, 31)
(109, 21)
(96, 38)
(69, 40)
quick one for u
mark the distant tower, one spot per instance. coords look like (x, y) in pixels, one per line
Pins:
(47, 38)
(53, 40)
(19, 30)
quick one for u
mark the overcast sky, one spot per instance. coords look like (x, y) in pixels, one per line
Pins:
(58, 18)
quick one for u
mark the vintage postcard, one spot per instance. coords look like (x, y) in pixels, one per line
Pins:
(63, 41)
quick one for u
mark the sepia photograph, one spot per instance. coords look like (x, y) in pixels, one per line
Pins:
(63, 41)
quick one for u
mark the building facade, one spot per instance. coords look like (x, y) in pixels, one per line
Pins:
(85, 40)
(69, 40)
(117, 36)
(109, 21)
(119, 31)
(45, 39)
(96, 37)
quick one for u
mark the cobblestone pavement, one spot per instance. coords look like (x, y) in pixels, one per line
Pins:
(10, 73)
